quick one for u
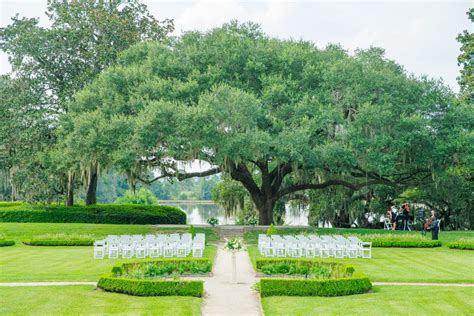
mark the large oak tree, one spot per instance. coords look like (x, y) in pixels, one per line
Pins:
(278, 116)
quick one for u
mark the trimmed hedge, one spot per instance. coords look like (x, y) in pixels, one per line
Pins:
(151, 287)
(461, 244)
(406, 243)
(34, 242)
(261, 263)
(357, 284)
(97, 214)
(119, 282)
(6, 243)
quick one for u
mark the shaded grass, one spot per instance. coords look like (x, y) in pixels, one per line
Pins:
(85, 300)
(384, 300)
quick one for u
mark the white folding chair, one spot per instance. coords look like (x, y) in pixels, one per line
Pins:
(99, 249)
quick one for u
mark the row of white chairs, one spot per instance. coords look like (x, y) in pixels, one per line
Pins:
(152, 246)
(312, 246)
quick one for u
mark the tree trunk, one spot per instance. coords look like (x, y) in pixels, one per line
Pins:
(70, 189)
(265, 208)
(91, 194)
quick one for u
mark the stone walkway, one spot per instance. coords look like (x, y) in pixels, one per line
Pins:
(223, 298)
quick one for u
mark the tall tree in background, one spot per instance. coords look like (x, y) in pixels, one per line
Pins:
(84, 38)
(280, 117)
(466, 61)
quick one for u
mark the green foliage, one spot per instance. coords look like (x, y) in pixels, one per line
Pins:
(163, 268)
(465, 59)
(192, 231)
(230, 195)
(77, 242)
(277, 116)
(143, 197)
(271, 230)
(50, 64)
(357, 284)
(310, 268)
(399, 240)
(464, 244)
(151, 287)
(6, 243)
(213, 221)
(100, 213)
(61, 240)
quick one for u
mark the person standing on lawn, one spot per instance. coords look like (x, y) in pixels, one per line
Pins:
(434, 226)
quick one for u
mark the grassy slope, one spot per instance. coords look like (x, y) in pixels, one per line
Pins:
(85, 300)
(384, 300)
(404, 264)
(27, 263)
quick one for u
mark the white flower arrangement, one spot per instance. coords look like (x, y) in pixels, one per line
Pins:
(234, 244)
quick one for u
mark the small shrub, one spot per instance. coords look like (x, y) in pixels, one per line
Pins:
(271, 230)
(213, 221)
(400, 241)
(463, 244)
(6, 243)
(251, 219)
(192, 231)
(61, 240)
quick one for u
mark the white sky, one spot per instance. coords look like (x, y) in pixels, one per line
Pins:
(419, 35)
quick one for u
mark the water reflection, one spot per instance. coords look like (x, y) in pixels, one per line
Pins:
(198, 213)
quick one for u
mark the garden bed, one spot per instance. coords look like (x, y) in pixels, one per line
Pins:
(301, 277)
(151, 278)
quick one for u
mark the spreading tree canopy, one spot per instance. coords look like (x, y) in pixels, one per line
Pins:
(49, 65)
(278, 116)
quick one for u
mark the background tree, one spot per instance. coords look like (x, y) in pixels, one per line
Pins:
(143, 196)
(278, 116)
(466, 61)
(84, 38)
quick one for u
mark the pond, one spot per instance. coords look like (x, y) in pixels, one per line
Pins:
(199, 211)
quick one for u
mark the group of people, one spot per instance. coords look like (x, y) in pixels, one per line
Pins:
(405, 215)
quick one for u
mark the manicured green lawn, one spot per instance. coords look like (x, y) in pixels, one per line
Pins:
(403, 264)
(22, 231)
(31, 263)
(384, 300)
(85, 300)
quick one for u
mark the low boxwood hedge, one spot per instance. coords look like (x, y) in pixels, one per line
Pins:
(357, 284)
(6, 243)
(119, 281)
(98, 214)
(462, 244)
(406, 243)
(40, 242)
(151, 287)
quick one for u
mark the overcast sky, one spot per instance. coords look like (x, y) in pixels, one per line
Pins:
(419, 35)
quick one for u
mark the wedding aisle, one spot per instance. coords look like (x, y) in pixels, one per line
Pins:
(223, 298)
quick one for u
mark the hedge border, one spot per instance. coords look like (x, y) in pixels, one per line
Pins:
(54, 243)
(357, 284)
(7, 243)
(111, 283)
(96, 214)
(406, 243)
(461, 245)
(151, 287)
